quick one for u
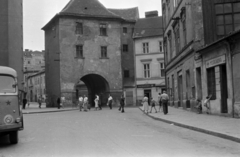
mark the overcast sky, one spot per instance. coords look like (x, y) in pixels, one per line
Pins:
(36, 13)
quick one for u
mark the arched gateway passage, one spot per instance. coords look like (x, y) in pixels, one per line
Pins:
(95, 84)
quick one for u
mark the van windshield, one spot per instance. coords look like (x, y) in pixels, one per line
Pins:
(7, 84)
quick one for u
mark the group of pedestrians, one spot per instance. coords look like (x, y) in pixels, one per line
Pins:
(162, 101)
(84, 104)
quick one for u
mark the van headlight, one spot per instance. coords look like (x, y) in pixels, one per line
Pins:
(18, 120)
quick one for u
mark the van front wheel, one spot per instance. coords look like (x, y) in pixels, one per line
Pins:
(13, 136)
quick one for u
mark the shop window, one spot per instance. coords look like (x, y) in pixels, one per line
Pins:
(211, 82)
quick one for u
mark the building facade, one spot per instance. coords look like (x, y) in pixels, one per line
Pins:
(206, 64)
(218, 60)
(33, 62)
(36, 86)
(90, 43)
(149, 56)
(11, 37)
(183, 35)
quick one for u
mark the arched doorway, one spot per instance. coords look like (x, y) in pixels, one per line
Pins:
(95, 84)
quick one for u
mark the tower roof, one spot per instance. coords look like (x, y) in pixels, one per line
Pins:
(93, 8)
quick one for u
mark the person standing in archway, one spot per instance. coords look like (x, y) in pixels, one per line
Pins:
(110, 99)
(80, 101)
(85, 103)
(96, 101)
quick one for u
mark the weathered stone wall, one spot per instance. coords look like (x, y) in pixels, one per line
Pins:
(73, 69)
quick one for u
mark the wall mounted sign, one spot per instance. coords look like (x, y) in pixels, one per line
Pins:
(146, 86)
(216, 61)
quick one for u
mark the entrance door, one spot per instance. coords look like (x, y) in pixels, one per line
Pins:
(180, 90)
(148, 93)
(224, 90)
(199, 83)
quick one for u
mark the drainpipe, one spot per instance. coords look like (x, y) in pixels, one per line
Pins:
(233, 99)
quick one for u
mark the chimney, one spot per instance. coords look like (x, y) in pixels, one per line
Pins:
(151, 14)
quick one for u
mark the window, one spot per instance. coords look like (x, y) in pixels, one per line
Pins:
(79, 28)
(125, 30)
(145, 48)
(177, 37)
(170, 44)
(211, 82)
(126, 74)
(103, 51)
(125, 48)
(103, 29)
(187, 83)
(79, 51)
(162, 70)
(7, 84)
(227, 18)
(183, 17)
(160, 46)
(146, 70)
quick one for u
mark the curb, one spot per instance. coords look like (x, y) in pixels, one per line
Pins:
(217, 134)
(36, 112)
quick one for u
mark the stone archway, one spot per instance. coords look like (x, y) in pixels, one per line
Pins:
(96, 84)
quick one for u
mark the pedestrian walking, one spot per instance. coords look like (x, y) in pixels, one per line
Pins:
(80, 103)
(206, 104)
(153, 104)
(164, 99)
(85, 103)
(122, 104)
(145, 104)
(24, 103)
(96, 101)
(40, 101)
(58, 102)
(109, 103)
(159, 101)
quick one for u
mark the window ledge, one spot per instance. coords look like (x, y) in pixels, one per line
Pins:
(103, 58)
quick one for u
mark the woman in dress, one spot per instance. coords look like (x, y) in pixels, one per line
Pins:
(145, 104)
(96, 101)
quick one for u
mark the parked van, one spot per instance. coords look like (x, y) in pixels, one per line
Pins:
(11, 118)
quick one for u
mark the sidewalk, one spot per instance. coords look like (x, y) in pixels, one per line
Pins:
(224, 127)
(34, 108)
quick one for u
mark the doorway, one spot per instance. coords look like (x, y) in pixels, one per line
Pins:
(199, 83)
(224, 90)
(148, 93)
(180, 90)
